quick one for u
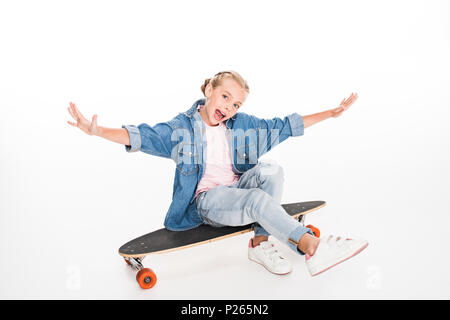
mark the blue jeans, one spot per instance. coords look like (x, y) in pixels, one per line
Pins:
(255, 198)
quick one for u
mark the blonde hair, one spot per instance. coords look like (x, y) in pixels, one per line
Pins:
(218, 77)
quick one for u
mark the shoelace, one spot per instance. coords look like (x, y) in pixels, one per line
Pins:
(270, 251)
(336, 241)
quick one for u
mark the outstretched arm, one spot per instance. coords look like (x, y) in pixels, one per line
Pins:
(309, 120)
(91, 128)
(154, 140)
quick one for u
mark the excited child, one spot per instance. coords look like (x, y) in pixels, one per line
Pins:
(218, 178)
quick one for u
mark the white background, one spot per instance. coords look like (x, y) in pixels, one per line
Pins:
(69, 200)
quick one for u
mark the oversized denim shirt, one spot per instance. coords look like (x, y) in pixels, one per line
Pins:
(183, 140)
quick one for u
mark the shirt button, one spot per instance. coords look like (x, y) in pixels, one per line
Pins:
(244, 154)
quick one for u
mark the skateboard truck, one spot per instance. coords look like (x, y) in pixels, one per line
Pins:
(301, 219)
(145, 276)
(135, 263)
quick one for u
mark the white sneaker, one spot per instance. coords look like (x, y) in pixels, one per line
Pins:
(332, 251)
(267, 255)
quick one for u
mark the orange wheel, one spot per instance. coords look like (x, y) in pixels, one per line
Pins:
(315, 230)
(146, 278)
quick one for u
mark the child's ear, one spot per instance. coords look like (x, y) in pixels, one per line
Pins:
(208, 90)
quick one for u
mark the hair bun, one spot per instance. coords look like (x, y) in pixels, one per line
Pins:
(204, 85)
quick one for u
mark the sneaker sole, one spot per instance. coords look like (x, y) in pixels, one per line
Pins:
(280, 274)
(354, 254)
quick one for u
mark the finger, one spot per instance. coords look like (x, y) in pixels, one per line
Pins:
(74, 112)
(71, 123)
(353, 99)
(72, 105)
(75, 109)
(74, 116)
(77, 112)
(350, 100)
(71, 113)
(94, 120)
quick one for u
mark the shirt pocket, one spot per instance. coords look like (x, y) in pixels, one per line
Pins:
(188, 157)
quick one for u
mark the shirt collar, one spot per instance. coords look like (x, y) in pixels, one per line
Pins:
(190, 112)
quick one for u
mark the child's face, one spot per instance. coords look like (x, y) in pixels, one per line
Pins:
(226, 98)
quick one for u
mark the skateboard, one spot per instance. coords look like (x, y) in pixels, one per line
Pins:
(164, 240)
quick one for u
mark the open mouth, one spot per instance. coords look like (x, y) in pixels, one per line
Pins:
(218, 115)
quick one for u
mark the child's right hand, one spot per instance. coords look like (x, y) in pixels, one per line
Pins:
(89, 127)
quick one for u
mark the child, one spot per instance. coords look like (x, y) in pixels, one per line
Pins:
(218, 178)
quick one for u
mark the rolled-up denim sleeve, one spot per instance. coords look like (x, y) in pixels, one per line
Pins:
(135, 138)
(296, 123)
(154, 140)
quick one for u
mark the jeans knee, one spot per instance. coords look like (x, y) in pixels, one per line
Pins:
(271, 172)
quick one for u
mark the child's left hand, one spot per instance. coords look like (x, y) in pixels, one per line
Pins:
(344, 105)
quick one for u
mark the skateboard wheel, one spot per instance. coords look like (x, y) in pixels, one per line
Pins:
(146, 278)
(315, 230)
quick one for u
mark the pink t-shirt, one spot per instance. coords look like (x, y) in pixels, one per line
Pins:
(218, 166)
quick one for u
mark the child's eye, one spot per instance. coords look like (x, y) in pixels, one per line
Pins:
(236, 105)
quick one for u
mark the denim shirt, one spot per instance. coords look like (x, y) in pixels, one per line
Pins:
(183, 140)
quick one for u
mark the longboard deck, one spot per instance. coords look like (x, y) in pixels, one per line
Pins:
(163, 240)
